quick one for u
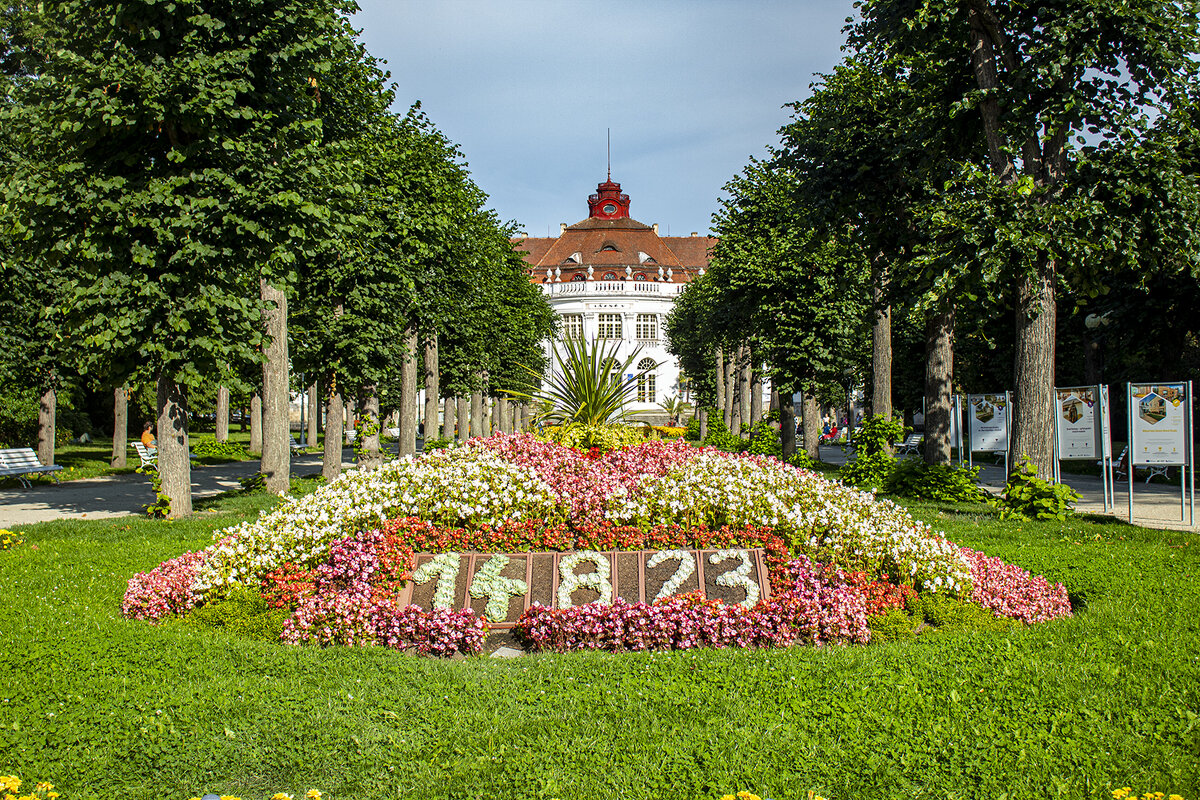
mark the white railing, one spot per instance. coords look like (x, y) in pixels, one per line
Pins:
(610, 288)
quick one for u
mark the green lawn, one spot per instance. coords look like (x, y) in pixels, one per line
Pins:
(109, 708)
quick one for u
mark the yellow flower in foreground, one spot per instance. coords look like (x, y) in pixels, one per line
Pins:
(281, 796)
(313, 794)
(10, 783)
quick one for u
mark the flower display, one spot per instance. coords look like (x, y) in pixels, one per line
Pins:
(828, 521)
(339, 556)
(814, 607)
(1010, 591)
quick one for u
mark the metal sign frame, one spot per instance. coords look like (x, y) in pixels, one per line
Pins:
(1007, 429)
(1187, 488)
(1103, 434)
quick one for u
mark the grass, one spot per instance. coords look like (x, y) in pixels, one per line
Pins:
(109, 708)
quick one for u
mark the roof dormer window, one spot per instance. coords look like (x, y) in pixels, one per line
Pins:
(609, 247)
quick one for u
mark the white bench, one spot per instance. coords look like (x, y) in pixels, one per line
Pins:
(149, 455)
(22, 461)
(296, 446)
(911, 445)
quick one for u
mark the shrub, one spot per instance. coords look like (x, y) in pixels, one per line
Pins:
(1026, 496)
(912, 477)
(604, 437)
(894, 626)
(244, 613)
(18, 417)
(9, 540)
(764, 440)
(719, 435)
(211, 448)
(868, 471)
(952, 615)
(802, 460)
(693, 430)
(877, 435)
(439, 443)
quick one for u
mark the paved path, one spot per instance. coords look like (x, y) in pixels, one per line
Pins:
(121, 495)
(1156, 505)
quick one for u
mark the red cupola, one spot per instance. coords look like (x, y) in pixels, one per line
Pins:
(608, 202)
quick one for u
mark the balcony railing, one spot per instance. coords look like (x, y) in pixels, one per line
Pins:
(612, 288)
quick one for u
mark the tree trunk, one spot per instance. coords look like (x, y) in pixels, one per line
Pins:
(432, 390)
(314, 416)
(1033, 380)
(939, 372)
(524, 413)
(720, 401)
(256, 424)
(745, 399)
(47, 408)
(369, 457)
(787, 424)
(477, 414)
(731, 395)
(174, 465)
(881, 345)
(408, 395)
(502, 414)
(464, 418)
(222, 417)
(120, 442)
(276, 428)
(812, 426)
(756, 405)
(331, 464)
(449, 418)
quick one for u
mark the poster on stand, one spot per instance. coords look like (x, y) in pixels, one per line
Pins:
(1078, 422)
(1158, 434)
(1105, 422)
(988, 422)
(956, 440)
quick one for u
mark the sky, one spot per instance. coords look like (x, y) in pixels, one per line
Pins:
(529, 90)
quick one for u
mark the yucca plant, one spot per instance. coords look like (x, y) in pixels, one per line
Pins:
(589, 386)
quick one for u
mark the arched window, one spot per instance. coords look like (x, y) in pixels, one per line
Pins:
(609, 276)
(578, 277)
(641, 276)
(645, 390)
(609, 248)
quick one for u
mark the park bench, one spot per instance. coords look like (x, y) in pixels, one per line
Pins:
(149, 455)
(911, 445)
(1121, 467)
(22, 461)
(296, 446)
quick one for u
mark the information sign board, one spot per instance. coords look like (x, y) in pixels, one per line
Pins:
(1158, 423)
(1078, 422)
(988, 422)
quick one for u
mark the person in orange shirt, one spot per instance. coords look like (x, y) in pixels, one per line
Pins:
(148, 436)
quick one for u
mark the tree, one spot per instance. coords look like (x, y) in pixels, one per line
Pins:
(1043, 73)
(168, 154)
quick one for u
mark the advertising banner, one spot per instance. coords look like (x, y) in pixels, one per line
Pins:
(1158, 413)
(988, 422)
(1078, 422)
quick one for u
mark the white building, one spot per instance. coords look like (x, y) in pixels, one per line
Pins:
(610, 277)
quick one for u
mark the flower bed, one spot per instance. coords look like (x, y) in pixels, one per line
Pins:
(337, 556)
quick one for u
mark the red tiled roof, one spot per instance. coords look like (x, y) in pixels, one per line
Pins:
(612, 245)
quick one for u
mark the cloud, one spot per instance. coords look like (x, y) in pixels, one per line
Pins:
(528, 89)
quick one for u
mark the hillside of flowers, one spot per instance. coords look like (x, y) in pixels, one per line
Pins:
(336, 558)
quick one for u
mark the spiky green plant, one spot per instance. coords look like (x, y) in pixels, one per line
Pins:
(588, 386)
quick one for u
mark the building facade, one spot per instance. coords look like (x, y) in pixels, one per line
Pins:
(611, 278)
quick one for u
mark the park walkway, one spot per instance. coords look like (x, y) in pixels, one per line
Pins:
(1155, 506)
(121, 495)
